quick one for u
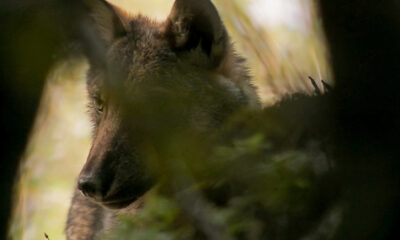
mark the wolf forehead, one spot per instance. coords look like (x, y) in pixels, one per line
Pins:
(143, 45)
(190, 48)
(141, 53)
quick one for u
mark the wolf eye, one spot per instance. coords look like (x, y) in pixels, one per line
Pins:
(99, 105)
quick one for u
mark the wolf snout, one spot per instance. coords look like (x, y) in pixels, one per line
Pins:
(90, 187)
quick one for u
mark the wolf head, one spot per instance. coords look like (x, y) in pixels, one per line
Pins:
(149, 80)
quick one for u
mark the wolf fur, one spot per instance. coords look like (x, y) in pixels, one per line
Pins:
(137, 63)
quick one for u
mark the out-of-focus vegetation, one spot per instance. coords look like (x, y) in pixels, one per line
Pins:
(266, 175)
(280, 59)
(282, 49)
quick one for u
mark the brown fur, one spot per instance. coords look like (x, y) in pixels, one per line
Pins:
(188, 61)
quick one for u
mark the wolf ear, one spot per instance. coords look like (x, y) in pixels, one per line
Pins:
(110, 21)
(196, 22)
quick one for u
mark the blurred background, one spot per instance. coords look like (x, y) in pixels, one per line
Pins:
(282, 41)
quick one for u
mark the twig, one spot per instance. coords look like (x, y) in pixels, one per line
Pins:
(327, 87)
(317, 90)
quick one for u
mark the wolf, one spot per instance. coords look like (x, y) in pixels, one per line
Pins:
(149, 81)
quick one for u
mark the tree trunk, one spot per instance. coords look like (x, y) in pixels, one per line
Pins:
(364, 37)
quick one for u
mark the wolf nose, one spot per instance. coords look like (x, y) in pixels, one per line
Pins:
(89, 187)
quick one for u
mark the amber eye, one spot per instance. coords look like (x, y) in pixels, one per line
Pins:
(99, 104)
